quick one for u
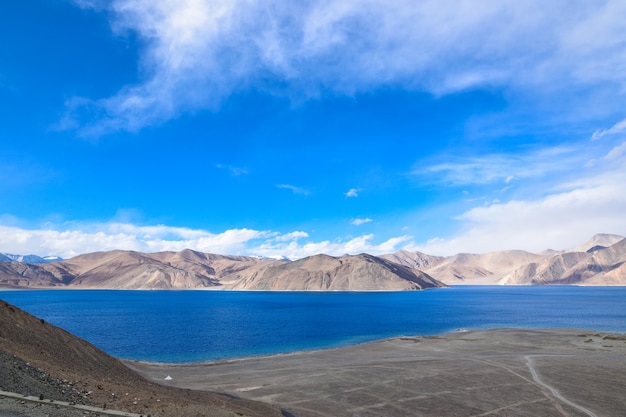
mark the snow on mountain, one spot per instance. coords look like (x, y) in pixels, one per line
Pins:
(28, 259)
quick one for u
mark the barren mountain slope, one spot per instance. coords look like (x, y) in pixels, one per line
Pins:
(415, 260)
(21, 275)
(614, 276)
(597, 266)
(51, 359)
(129, 270)
(190, 269)
(347, 273)
(467, 268)
(206, 264)
(601, 240)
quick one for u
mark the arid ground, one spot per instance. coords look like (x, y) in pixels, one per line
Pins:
(505, 372)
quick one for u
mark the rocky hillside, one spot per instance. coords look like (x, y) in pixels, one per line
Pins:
(190, 269)
(328, 273)
(467, 268)
(599, 241)
(128, 270)
(599, 261)
(598, 265)
(37, 358)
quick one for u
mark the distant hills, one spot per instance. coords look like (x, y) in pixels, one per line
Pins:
(327, 273)
(190, 269)
(597, 265)
(599, 261)
(31, 259)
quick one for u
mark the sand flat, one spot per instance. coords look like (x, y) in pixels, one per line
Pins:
(507, 372)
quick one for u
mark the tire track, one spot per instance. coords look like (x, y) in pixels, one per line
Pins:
(554, 391)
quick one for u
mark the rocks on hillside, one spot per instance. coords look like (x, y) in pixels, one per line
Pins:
(346, 273)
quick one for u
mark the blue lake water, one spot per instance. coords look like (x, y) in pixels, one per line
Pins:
(191, 326)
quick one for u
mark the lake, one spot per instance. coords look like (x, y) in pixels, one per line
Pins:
(193, 326)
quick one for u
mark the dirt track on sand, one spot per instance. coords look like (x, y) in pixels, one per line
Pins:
(478, 373)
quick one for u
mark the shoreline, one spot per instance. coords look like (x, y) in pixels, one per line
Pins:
(492, 372)
(353, 345)
(218, 289)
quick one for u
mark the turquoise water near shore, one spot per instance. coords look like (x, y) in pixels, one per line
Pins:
(193, 326)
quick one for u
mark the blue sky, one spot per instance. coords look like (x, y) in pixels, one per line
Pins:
(288, 129)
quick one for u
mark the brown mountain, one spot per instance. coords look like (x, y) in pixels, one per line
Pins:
(597, 266)
(415, 260)
(327, 273)
(129, 270)
(599, 241)
(190, 269)
(37, 358)
(465, 268)
(598, 261)
(22, 275)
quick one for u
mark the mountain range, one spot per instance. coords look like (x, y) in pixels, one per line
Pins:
(31, 259)
(190, 269)
(599, 261)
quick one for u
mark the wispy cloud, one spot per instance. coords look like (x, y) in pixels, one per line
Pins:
(294, 189)
(503, 168)
(616, 128)
(358, 221)
(353, 192)
(234, 171)
(617, 153)
(196, 53)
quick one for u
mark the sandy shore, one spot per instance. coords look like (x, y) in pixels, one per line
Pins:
(508, 372)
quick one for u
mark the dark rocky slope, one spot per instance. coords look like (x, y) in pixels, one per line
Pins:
(38, 358)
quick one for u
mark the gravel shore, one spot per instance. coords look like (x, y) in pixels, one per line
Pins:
(512, 372)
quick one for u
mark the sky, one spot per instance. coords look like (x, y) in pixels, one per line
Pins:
(273, 128)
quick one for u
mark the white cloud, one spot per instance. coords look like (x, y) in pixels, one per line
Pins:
(288, 237)
(353, 246)
(353, 192)
(568, 201)
(616, 128)
(358, 222)
(294, 189)
(617, 152)
(195, 53)
(560, 220)
(74, 239)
